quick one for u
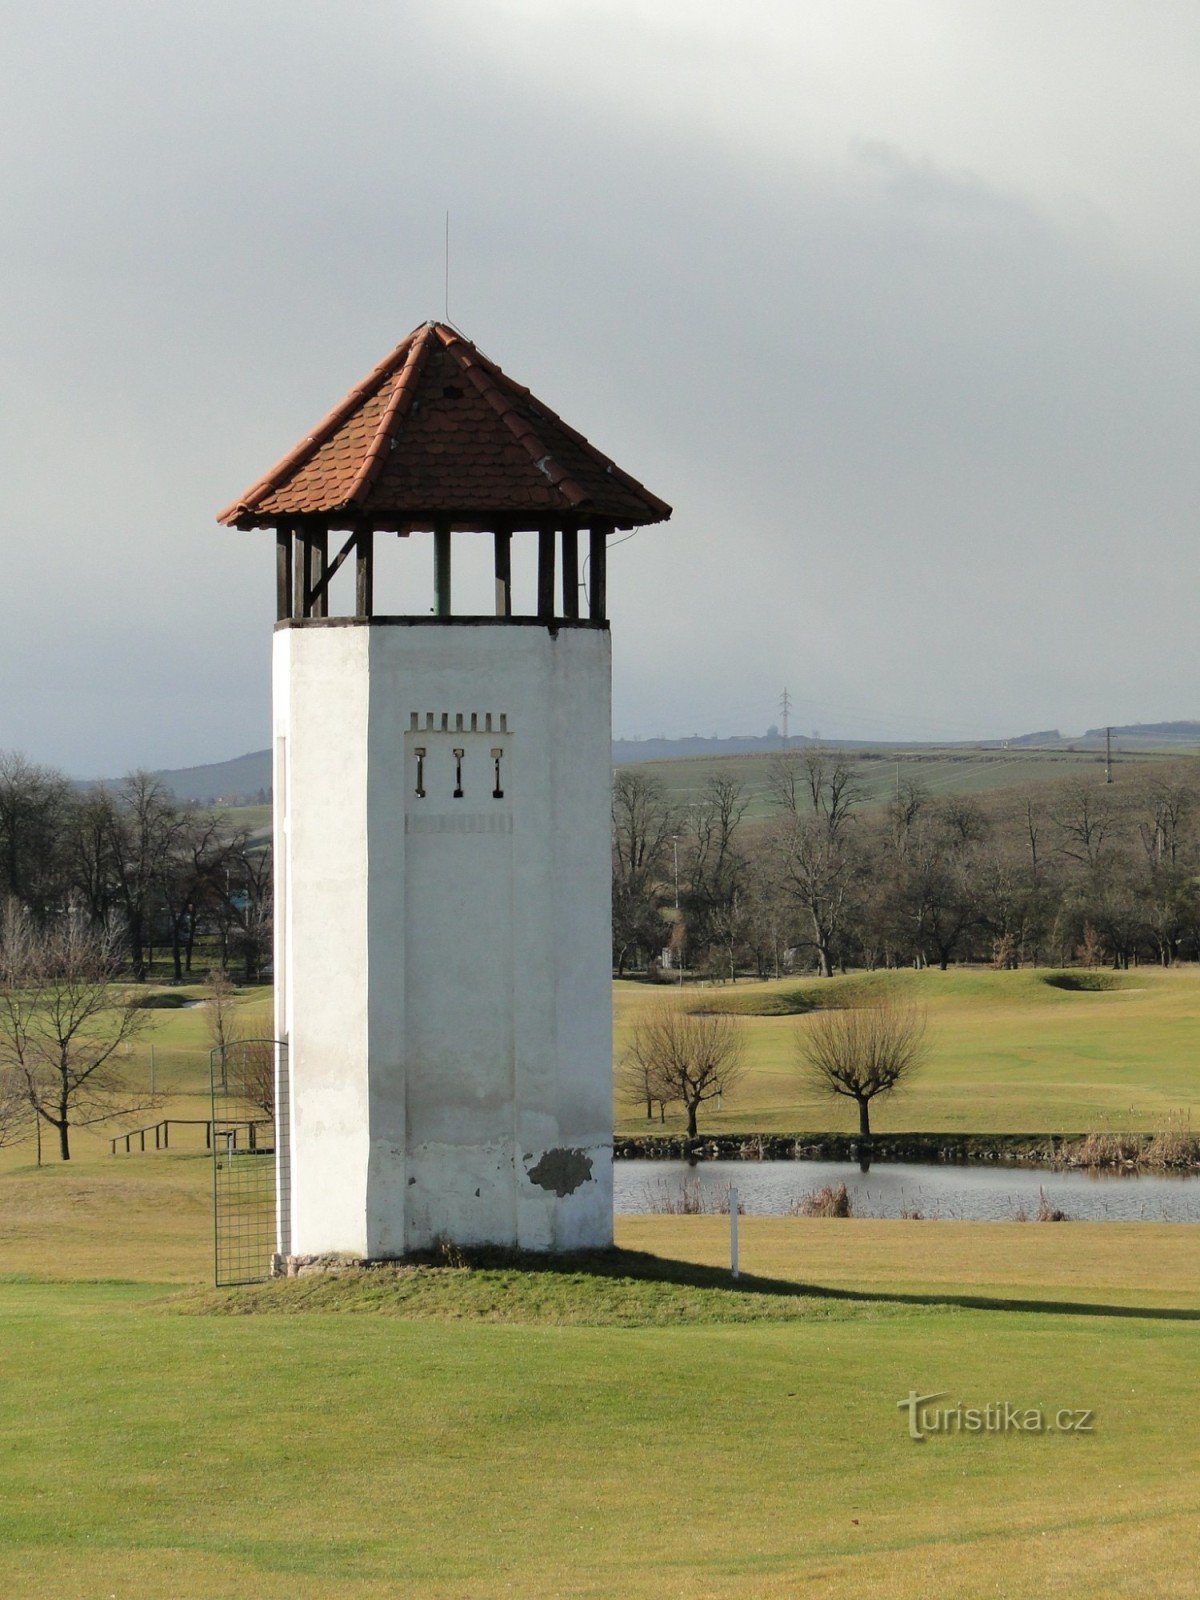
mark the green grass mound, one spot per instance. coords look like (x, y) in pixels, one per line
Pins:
(816, 994)
(604, 1288)
(966, 987)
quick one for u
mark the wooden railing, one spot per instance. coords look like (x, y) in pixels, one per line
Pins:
(162, 1133)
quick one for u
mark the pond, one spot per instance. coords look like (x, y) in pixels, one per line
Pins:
(894, 1188)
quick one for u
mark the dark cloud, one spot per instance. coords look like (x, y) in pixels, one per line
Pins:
(919, 380)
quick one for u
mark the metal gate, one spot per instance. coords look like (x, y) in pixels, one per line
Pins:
(245, 1077)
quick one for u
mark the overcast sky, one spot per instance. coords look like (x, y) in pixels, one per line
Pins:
(895, 301)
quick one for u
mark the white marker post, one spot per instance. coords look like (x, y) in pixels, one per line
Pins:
(733, 1232)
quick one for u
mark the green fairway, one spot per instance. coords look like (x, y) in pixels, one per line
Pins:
(151, 1453)
(645, 1429)
(1009, 1052)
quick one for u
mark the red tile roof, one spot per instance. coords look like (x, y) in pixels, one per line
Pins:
(437, 430)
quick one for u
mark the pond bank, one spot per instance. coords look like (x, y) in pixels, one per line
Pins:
(1106, 1152)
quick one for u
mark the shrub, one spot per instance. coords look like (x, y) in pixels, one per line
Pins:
(1047, 1212)
(831, 1201)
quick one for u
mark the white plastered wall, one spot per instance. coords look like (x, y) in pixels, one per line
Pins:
(443, 958)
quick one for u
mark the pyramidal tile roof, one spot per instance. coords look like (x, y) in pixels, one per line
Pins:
(437, 430)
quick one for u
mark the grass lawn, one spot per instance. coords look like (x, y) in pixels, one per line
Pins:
(651, 1432)
(1010, 1052)
(645, 1430)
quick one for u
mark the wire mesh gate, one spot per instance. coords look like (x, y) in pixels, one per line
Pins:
(248, 1079)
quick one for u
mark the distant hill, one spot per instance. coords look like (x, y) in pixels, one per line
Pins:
(244, 781)
(247, 779)
(1155, 732)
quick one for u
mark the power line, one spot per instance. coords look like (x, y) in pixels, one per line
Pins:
(785, 706)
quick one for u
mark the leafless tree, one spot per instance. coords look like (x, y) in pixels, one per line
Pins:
(815, 783)
(220, 1005)
(33, 805)
(644, 823)
(1083, 814)
(256, 1061)
(65, 1020)
(862, 1053)
(683, 1056)
(16, 1117)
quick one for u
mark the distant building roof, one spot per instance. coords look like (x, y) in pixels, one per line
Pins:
(438, 431)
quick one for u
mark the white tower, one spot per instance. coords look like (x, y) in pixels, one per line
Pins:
(441, 784)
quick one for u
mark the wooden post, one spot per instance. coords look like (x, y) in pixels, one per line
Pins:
(320, 606)
(303, 570)
(441, 570)
(545, 595)
(598, 573)
(503, 538)
(283, 573)
(364, 573)
(570, 573)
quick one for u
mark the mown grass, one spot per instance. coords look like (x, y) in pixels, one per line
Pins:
(610, 1288)
(1010, 1052)
(633, 1424)
(333, 1455)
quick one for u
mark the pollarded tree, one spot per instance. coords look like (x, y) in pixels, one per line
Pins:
(687, 1057)
(64, 1022)
(862, 1052)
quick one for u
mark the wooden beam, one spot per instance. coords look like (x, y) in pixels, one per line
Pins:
(321, 574)
(443, 602)
(598, 572)
(303, 575)
(364, 573)
(570, 574)
(319, 589)
(545, 588)
(503, 538)
(283, 573)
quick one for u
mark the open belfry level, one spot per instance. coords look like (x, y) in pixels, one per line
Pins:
(441, 800)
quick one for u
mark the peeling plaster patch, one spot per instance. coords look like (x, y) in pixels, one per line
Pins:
(562, 1171)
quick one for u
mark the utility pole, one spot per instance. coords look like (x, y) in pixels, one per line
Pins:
(785, 706)
(1108, 755)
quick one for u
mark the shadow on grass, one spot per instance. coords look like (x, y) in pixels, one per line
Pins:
(641, 1266)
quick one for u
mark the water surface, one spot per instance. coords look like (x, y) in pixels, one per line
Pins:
(984, 1193)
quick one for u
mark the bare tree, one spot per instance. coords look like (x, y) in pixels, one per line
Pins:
(1083, 815)
(220, 1004)
(16, 1118)
(862, 1053)
(64, 1022)
(643, 826)
(685, 1056)
(256, 1057)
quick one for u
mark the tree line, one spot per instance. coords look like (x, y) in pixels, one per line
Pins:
(1077, 870)
(158, 876)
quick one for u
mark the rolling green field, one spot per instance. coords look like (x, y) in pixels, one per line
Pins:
(939, 770)
(651, 1432)
(1009, 1053)
(640, 1427)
